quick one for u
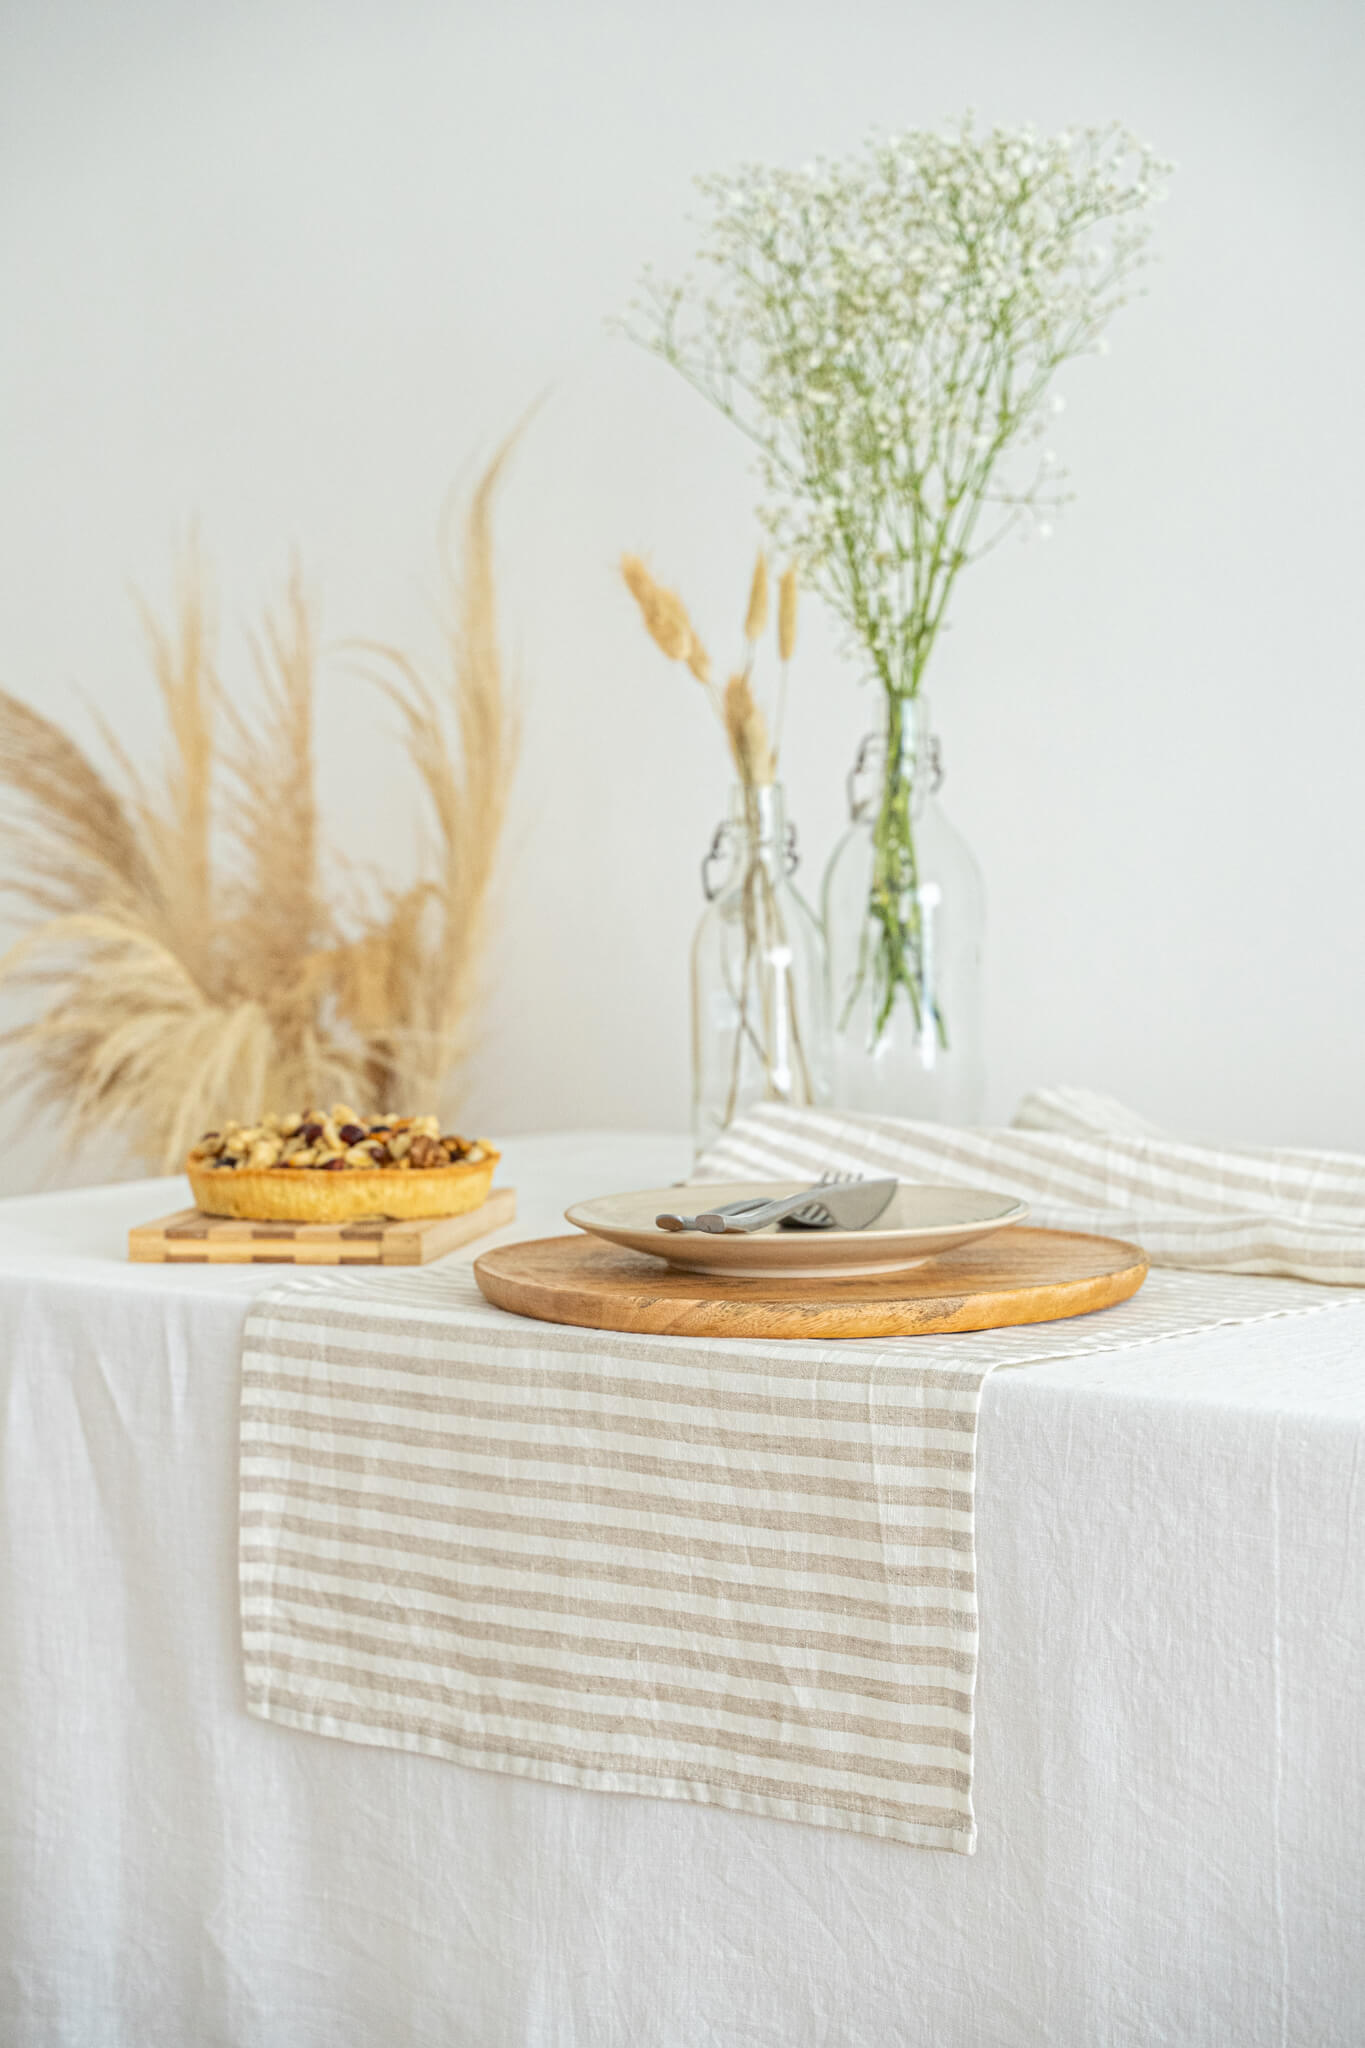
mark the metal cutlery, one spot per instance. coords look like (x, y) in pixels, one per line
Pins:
(835, 1202)
(721, 1218)
(715, 1219)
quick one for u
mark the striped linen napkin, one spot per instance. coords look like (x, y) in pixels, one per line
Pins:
(738, 1573)
(1084, 1162)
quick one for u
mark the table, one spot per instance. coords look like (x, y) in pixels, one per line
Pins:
(1170, 1736)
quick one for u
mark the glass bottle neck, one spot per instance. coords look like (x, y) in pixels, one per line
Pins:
(899, 765)
(758, 814)
(755, 838)
(908, 741)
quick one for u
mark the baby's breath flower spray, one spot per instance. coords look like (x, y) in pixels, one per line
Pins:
(885, 329)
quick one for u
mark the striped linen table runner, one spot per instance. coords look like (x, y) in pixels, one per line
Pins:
(739, 1573)
(1084, 1162)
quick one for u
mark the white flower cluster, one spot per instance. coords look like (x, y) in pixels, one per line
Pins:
(885, 329)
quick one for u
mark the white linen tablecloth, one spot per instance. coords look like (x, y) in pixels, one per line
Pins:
(1170, 1730)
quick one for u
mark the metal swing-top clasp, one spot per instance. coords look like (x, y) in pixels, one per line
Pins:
(862, 797)
(721, 847)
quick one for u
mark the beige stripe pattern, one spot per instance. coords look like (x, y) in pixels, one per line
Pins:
(1084, 1162)
(740, 1574)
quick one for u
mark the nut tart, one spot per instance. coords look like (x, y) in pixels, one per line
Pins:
(308, 1166)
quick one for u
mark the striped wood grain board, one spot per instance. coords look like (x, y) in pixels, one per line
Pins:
(190, 1238)
(1018, 1275)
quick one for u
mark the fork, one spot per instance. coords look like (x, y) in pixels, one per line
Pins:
(756, 1212)
(799, 1209)
(714, 1219)
(814, 1215)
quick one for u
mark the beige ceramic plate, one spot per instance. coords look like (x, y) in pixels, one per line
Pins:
(919, 1224)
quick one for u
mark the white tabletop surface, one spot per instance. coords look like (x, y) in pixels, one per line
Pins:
(78, 1238)
(1170, 1743)
(80, 1235)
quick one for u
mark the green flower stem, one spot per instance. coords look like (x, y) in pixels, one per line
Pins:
(893, 948)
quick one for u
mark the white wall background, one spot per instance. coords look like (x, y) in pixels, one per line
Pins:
(289, 269)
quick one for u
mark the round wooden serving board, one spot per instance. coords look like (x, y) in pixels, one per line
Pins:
(1016, 1276)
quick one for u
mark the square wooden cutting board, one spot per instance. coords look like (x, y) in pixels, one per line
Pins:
(189, 1238)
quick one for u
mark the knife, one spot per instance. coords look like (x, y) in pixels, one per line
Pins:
(849, 1205)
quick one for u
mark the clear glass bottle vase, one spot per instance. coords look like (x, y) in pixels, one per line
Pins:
(904, 914)
(760, 1003)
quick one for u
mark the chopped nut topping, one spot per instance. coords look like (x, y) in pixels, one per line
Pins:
(338, 1141)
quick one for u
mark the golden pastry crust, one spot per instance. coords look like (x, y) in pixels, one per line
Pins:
(283, 1194)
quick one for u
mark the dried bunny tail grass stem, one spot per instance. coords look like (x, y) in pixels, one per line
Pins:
(638, 582)
(748, 734)
(786, 647)
(786, 614)
(665, 617)
(756, 618)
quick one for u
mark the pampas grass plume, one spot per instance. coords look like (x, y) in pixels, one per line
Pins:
(187, 962)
